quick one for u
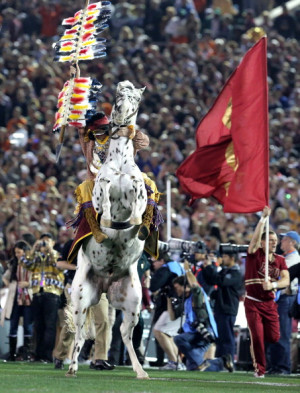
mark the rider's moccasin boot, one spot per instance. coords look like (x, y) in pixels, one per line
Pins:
(144, 230)
(91, 219)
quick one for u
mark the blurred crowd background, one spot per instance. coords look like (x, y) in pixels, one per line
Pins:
(183, 51)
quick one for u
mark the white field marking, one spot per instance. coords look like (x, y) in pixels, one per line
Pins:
(232, 382)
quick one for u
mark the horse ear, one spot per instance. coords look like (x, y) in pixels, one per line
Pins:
(142, 89)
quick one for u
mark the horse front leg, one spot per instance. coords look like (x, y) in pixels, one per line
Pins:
(139, 201)
(106, 205)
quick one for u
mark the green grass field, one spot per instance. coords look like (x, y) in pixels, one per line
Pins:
(22, 377)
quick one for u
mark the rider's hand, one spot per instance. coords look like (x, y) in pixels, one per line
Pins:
(74, 70)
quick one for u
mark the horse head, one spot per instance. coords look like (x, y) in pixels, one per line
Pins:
(126, 105)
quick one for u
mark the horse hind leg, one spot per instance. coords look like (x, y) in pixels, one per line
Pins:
(139, 199)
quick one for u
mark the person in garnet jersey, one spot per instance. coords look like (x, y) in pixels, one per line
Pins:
(260, 307)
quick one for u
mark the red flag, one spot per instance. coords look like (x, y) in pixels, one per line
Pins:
(231, 161)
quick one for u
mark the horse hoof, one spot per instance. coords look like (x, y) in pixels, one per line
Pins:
(135, 221)
(71, 374)
(144, 376)
(105, 223)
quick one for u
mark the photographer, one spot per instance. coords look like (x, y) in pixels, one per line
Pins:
(229, 282)
(47, 284)
(199, 328)
(165, 270)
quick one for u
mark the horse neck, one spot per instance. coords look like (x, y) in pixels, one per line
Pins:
(122, 150)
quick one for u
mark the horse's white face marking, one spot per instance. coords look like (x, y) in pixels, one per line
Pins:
(127, 102)
(119, 195)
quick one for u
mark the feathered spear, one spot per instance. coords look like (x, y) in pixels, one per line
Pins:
(79, 95)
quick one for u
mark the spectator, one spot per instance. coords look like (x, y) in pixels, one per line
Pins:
(18, 303)
(282, 364)
(47, 284)
(285, 24)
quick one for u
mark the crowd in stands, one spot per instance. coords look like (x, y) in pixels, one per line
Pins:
(183, 51)
(183, 74)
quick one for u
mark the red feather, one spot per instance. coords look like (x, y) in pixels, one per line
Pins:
(71, 31)
(92, 6)
(76, 124)
(76, 100)
(67, 43)
(88, 26)
(77, 112)
(81, 80)
(70, 21)
(77, 90)
(86, 36)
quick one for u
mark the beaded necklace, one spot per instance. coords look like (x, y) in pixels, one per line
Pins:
(101, 148)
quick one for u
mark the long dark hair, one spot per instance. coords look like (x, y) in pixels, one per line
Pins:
(14, 261)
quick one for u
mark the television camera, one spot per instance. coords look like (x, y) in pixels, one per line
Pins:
(188, 248)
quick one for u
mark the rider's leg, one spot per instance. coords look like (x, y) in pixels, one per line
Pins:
(144, 230)
(153, 198)
(84, 195)
(95, 228)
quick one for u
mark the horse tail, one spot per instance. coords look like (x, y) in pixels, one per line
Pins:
(69, 318)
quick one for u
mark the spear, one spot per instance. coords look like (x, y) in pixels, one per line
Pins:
(79, 43)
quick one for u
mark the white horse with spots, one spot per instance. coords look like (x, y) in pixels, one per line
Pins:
(120, 197)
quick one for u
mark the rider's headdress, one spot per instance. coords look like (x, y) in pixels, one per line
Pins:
(97, 120)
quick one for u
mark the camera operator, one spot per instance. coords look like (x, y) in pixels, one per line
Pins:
(47, 284)
(165, 270)
(201, 260)
(199, 329)
(229, 282)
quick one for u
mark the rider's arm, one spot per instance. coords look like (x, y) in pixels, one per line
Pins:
(140, 141)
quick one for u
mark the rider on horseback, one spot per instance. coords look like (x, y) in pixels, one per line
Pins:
(94, 141)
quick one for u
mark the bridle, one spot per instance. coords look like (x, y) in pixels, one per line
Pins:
(114, 128)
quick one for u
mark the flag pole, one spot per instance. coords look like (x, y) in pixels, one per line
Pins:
(267, 251)
(168, 187)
